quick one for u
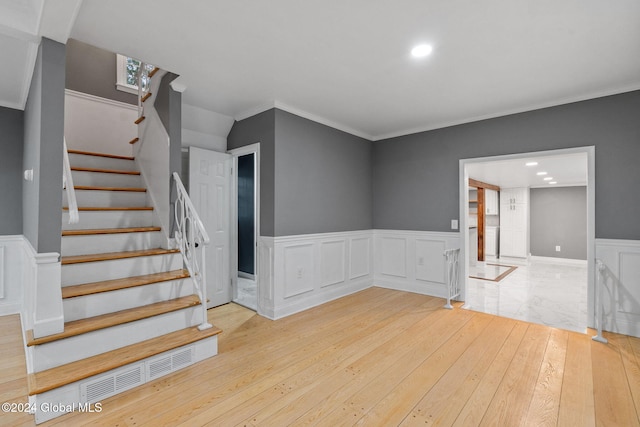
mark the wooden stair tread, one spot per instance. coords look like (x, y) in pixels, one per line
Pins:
(100, 170)
(90, 324)
(50, 379)
(99, 188)
(76, 259)
(139, 120)
(134, 140)
(93, 231)
(145, 97)
(116, 284)
(91, 153)
(112, 208)
(154, 71)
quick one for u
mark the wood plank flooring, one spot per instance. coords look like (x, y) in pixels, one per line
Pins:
(375, 358)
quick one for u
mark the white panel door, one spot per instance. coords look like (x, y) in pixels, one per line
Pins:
(209, 183)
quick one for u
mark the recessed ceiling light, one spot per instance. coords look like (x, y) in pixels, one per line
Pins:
(548, 178)
(553, 182)
(541, 173)
(531, 164)
(421, 50)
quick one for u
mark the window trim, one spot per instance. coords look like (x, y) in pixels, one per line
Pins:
(121, 76)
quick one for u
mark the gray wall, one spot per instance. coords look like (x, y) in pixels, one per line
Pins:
(415, 177)
(313, 178)
(168, 104)
(11, 137)
(260, 128)
(322, 178)
(43, 148)
(558, 217)
(93, 70)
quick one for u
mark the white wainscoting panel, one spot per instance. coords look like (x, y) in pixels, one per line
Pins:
(312, 269)
(621, 296)
(332, 262)
(412, 260)
(298, 269)
(393, 256)
(11, 271)
(266, 280)
(360, 255)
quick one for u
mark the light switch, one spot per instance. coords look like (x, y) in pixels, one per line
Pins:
(454, 224)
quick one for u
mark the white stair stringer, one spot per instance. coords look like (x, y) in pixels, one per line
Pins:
(61, 352)
(118, 242)
(61, 400)
(86, 272)
(92, 305)
(109, 219)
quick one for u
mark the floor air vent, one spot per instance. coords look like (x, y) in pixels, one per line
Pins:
(111, 384)
(169, 363)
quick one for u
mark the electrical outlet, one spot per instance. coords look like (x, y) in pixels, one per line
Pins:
(454, 224)
(420, 260)
(300, 273)
(557, 248)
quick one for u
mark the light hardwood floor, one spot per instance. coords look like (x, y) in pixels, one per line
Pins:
(375, 358)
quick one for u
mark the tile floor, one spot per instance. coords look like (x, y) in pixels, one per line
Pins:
(247, 293)
(546, 292)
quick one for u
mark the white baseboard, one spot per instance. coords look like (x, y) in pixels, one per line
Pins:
(563, 261)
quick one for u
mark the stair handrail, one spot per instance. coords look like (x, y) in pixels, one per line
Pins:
(67, 184)
(452, 275)
(600, 281)
(192, 238)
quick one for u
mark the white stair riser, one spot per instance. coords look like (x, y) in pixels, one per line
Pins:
(122, 299)
(108, 219)
(103, 243)
(106, 179)
(85, 161)
(99, 198)
(87, 272)
(56, 353)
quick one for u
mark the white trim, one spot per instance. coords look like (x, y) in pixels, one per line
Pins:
(464, 214)
(502, 113)
(18, 34)
(319, 119)
(100, 99)
(261, 108)
(564, 261)
(235, 153)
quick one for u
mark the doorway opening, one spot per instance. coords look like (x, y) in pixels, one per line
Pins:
(245, 218)
(517, 295)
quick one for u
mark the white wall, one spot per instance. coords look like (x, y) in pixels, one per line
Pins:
(205, 129)
(98, 124)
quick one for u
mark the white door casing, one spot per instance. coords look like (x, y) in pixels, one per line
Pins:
(209, 181)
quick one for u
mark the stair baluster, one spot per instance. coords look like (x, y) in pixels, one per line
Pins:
(192, 238)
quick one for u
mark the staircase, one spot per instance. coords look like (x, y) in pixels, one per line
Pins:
(131, 310)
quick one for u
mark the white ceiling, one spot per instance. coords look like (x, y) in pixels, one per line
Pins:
(565, 169)
(347, 63)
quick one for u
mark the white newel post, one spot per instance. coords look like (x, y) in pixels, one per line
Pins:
(48, 317)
